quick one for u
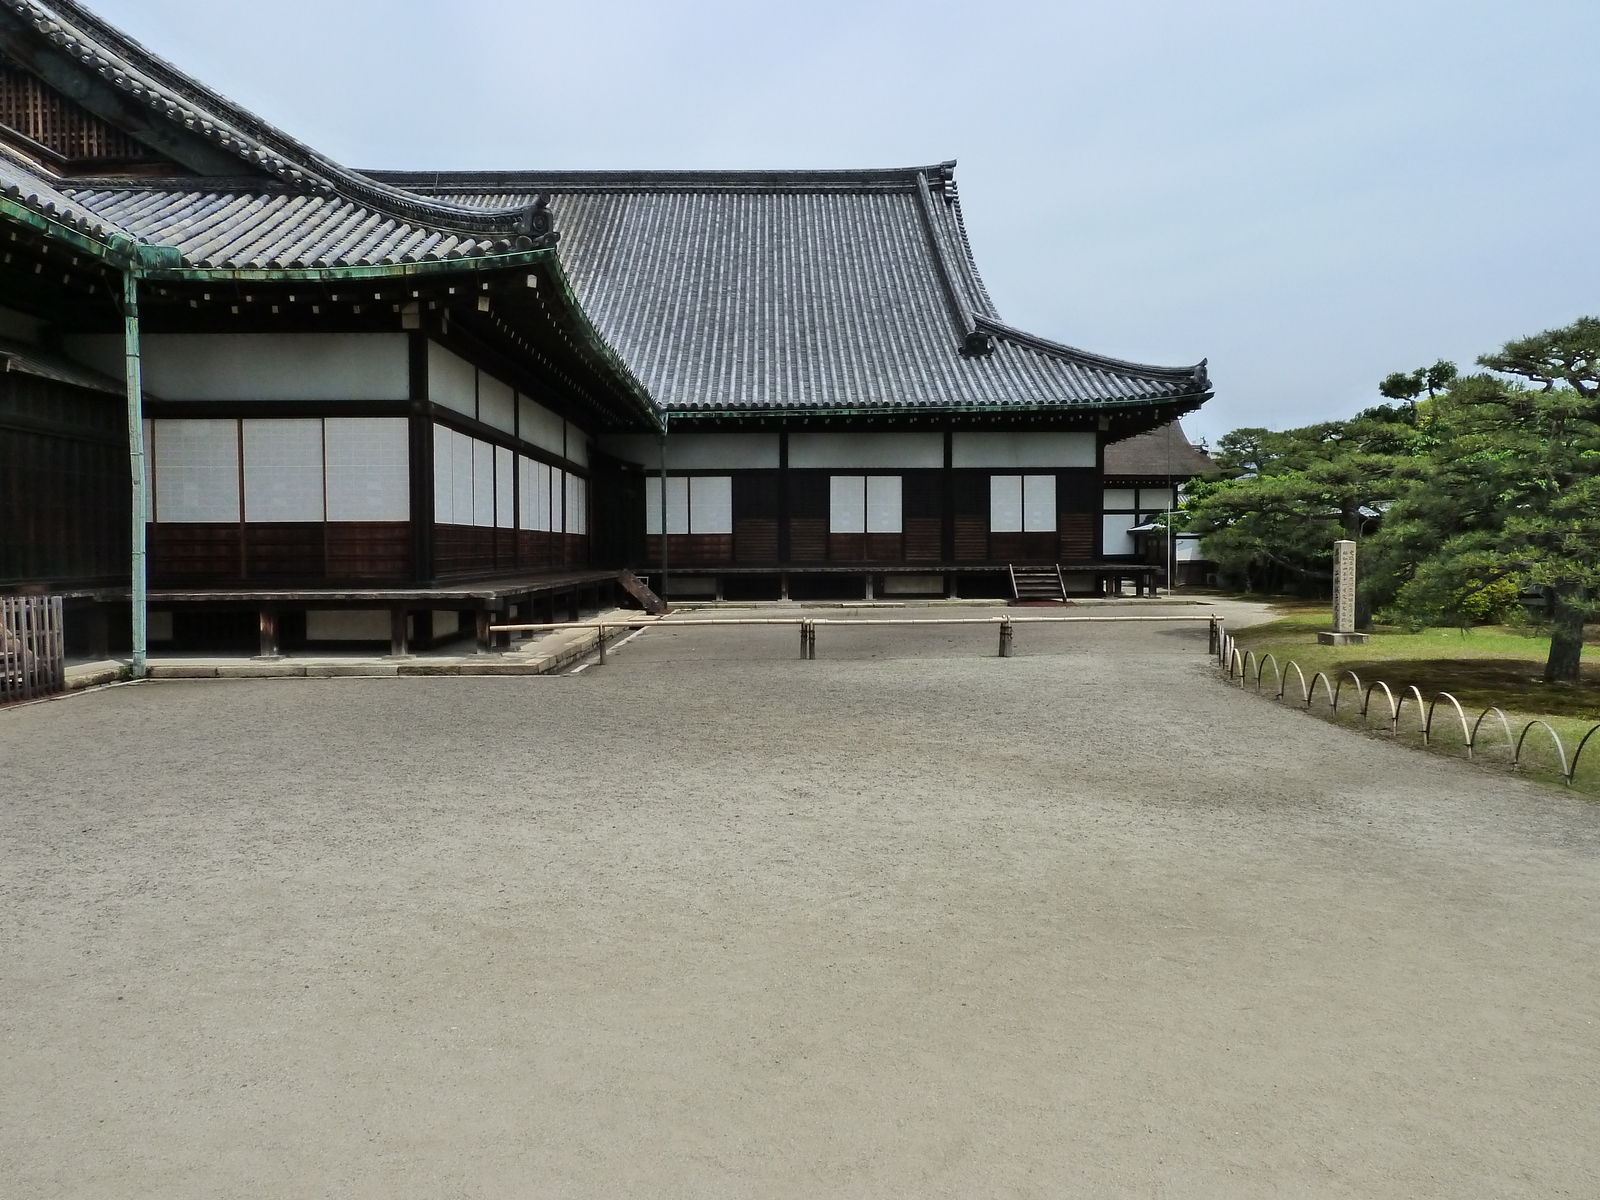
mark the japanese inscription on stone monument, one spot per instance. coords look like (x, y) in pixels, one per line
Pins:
(1344, 587)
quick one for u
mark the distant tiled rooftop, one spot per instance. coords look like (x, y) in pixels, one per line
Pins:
(1163, 451)
(787, 290)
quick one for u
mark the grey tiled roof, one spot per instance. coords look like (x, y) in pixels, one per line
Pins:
(739, 291)
(1160, 452)
(249, 227)
(36, 189)
(722, 291)
(290, 207)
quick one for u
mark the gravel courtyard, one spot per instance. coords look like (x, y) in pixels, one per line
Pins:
(908, 920)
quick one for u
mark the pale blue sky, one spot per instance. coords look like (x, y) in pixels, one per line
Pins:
(1312, 195)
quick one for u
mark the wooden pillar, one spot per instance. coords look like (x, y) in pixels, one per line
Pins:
(481, 621)
(269, 633)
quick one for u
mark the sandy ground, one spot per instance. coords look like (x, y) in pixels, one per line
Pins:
(908, 920)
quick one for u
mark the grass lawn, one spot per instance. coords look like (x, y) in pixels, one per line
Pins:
(1482, 667)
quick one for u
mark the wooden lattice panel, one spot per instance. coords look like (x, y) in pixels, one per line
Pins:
(43, 115)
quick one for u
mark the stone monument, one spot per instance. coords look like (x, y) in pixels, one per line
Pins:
(1344, 599)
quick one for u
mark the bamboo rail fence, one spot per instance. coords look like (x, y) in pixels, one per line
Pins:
(1246, 665)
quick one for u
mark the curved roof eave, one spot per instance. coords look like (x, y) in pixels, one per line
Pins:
(1198, 373)
(145, 78)
(1188, 400)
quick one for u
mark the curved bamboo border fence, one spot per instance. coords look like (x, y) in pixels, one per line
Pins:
(1244, 665)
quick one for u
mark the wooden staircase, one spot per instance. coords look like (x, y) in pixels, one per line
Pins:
(640, 591)
(1038, 583)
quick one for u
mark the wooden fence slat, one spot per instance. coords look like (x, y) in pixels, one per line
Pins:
(32, 648)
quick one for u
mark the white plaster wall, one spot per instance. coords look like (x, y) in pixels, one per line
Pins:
(577, 445)
(452, 381)
(847, 504)
(1015, 450)
(461, 478)
(527, 506)
(1039, 503)
(1115, 538)
(259, 366)
(711, 504)
(482, 483)
(347, 625)
(368, 468)
(1005, 503)
(883, 504)
(444, 487)
(677, 504)
(196, 467)
(283, 470)
(541, 427)
(497, 403)
(913, 585)
(865, 450)
(578, 521)
(505, 485)
(536, 508)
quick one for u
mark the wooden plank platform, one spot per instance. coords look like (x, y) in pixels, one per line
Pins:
(479, 593)
(876, 568)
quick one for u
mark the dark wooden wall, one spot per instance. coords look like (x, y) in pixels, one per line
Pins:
(462, 550)
(755, 517)
(309, 553)
(693, 549)
(944, 518)
(64, 484)
(301, 553)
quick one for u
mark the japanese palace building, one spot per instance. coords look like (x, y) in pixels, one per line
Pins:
(374, 402)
